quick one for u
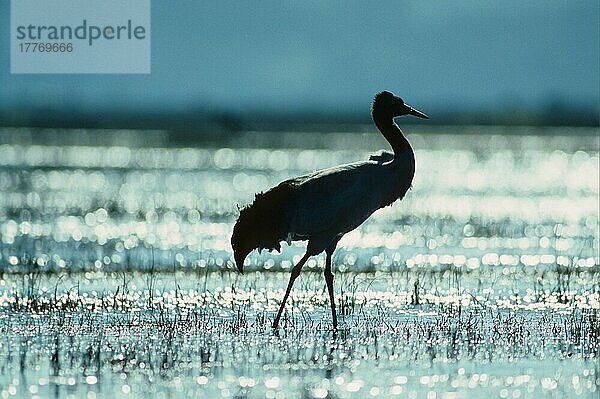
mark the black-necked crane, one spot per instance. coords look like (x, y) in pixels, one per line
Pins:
(324, 205)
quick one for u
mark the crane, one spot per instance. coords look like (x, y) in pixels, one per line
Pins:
(322, 206)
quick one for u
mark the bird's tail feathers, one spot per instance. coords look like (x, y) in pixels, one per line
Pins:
(261, 225)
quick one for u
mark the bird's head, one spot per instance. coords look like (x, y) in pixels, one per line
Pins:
(387, 104)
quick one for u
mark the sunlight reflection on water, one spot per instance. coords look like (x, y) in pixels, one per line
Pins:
(116, 272)
(162, 194)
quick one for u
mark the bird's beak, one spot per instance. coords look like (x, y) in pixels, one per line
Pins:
(411, 111)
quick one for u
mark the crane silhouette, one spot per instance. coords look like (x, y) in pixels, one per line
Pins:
(324, 205)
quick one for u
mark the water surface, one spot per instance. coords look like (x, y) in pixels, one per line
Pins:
(116, 275)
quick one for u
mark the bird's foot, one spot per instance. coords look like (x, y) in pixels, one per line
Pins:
(275, 324)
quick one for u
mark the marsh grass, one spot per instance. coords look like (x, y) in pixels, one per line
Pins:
(209, 332)
(199, 350)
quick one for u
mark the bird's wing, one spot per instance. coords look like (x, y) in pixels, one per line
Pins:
(382, 157)
(336, 200)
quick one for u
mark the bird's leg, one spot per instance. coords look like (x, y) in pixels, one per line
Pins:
(329, 280)
(295, 274)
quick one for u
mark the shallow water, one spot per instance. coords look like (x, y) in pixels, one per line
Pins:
(116, 274)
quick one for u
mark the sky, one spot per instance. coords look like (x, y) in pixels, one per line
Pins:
(331, 56)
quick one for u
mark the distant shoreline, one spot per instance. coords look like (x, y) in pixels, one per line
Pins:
(342, 136)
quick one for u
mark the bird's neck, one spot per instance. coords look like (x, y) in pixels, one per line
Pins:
(392, 134)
